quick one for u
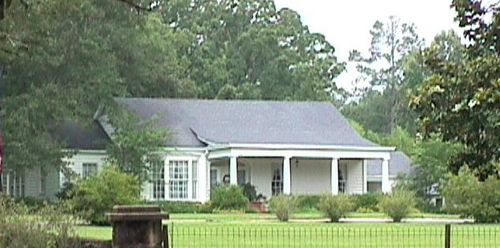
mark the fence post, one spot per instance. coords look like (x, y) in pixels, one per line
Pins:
(447, 236)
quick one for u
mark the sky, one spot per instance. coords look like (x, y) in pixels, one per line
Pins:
(346, 23)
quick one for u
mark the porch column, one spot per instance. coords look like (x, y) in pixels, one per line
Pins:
(335, 176)
(386, 187)
(202, 179)
(287, 185)
(233, 171)
(208, 182)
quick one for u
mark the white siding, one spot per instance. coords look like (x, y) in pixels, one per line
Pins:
(32, 182)
(52, 182)
(261, 174)
(311, 176)
(75, 163)
(354, 176)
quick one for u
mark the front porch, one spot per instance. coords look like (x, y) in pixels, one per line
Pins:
(297, 172)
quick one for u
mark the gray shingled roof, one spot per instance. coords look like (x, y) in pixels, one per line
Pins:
(249, 122)
(399, 163)
(79, 137)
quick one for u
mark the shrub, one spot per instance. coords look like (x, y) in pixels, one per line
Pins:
(184, 207)
(46, 227)
(229, 198)
(249, 191)
(398, 204)
(33, 204)
(367, 201)
(95, 196)
(282, 206)
(307, 202)
(335, 206)
(66, 192)
(466, 196)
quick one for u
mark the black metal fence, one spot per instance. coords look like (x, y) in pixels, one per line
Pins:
(334, 235)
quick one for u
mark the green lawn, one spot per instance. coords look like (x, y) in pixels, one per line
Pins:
(319, 235)
(262, 230)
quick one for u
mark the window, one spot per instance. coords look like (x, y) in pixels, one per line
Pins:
(4, 181)
(19, 187)
(277, 182)
(213, 178)
(89, 170)
(178, 179)
(241, 176)
(194, 178)
(342, 178)
(158, 179)
(374, 187)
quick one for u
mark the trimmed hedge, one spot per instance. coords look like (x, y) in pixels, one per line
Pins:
(367, 202)
(307, 202)
(184, 207)
(229, 198)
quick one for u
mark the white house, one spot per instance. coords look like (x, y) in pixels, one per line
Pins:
(279, 147)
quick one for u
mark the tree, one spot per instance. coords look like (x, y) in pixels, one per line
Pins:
(430, 160)
(138, 5)
(383, 69)
(135, 145)
(249, 50)
(70, 61)
(459, 102)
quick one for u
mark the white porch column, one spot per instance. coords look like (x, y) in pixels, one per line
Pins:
(207, 186)
(202, 179)
(335, 176)
(233, 171)
(7, 176)
(386, 187)
(287, 185)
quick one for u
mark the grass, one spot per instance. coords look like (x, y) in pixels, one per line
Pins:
(263, 230)
(319, 235)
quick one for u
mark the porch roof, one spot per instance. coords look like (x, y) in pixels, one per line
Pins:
(197, 123)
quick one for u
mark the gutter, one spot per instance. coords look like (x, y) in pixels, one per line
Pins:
(216, 147)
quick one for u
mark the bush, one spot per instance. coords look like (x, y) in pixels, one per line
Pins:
(398, 204)
(229, 198)
(33, 204)
(466, 196)
(66, 192)
(282, 206)
(367, 201)
(47, 227)
(249, 191)
(184, 207)
(95, 196)
(307, 202)
(335, 206)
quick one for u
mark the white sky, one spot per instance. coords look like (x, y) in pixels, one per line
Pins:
(346, 23)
